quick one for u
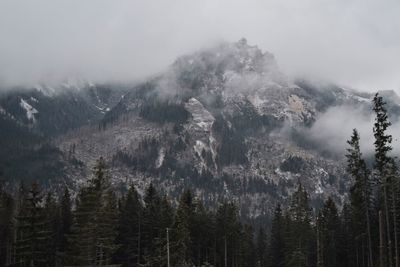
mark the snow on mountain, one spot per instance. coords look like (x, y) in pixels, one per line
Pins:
(202, 119)
(30, 111)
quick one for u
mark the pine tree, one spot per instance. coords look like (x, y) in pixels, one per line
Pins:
(6, 226)
(382, 139)
(227, 233)
(108, 216)
(65, 224)
(346, 255)
(202, 234)
(94, 230)
(167, 213)
(166, 222)
(300, 239)
(261, 248)
(182, 230)
(360, 194)
(152, 231)
(329, 233)
(395, 190)
(32, 235)
(52, 221)
(247, 251)
(276, 249)
(382, 161)
(82, 238)
(129, 229)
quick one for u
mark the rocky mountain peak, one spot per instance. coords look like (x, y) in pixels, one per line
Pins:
(238, 57)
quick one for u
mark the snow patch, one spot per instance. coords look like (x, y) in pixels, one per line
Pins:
(199, 146)
(201, 117)
(213, 149)
(198, 149)
(30, 111)
(160, 158)
(318, 188)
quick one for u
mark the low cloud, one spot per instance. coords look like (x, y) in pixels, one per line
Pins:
(334, 127)
(354, 43)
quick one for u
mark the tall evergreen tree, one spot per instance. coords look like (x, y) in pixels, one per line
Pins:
(152, 231)
(300, 239)
(261, 248)
(394, 177)
(247, 251)
(182, 230)
(167, 213)
(52, 222)
(166, 223)
(382, 160)
(94, 230)
(329, 234)
(227, 233)
(276, 248)
(32, 243)
(346, 241)
(360, 194)
(6, 226)
(65, 221)
(382, 138)
(202, 235)
(129, 229)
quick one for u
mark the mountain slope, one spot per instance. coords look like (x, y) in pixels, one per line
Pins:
(224, 121)
(31, 117)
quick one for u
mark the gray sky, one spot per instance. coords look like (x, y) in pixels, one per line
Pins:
(351, 42)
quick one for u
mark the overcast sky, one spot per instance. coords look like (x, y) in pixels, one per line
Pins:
(351, 42)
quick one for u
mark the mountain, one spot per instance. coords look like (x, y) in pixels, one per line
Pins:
(50, 111)
(224, 121)
(30, 117)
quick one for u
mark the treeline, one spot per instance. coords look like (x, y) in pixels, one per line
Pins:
(99, 228)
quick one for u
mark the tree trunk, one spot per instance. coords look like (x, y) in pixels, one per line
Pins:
(396, 253)
(226, 254)
(381, 246)
(387, 219)
(366, 200)
(139, 237)
(319, 248)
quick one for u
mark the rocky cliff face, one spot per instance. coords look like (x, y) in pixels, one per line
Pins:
(223, 121)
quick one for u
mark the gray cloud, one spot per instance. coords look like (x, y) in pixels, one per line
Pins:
(355, 43)
(334, 127)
